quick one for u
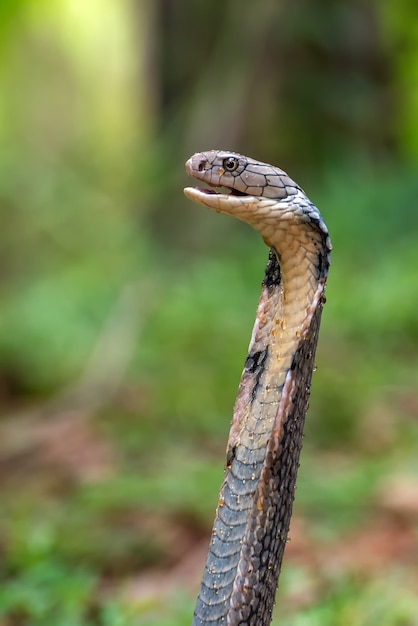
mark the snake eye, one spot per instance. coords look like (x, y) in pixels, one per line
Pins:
(230, 164)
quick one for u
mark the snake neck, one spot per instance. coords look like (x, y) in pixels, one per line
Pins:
(266, 433)
(292, 291)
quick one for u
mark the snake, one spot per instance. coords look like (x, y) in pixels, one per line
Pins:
(255, 501)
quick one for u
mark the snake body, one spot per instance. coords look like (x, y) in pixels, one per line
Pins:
(256, 497)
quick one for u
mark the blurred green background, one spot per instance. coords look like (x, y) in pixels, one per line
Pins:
(125, 311)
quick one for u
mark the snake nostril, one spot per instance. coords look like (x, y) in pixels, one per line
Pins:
(202, 165)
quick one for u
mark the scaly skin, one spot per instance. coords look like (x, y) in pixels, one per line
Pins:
(256, 497)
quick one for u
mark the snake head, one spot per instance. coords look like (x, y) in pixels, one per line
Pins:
(254, 192)
(257, 193)
(240, 175)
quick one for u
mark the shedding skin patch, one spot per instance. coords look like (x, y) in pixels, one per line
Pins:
(255, 364)
(272, 273)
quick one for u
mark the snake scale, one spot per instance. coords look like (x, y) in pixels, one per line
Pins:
(256, 497)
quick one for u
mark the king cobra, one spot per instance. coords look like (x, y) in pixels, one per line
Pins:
(256, 497)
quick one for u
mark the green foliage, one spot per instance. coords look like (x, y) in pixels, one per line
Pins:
(389, 602)
(47, 592)
(187, 364)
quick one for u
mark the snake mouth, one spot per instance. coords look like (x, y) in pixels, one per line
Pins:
(220, 190)
(220, 198)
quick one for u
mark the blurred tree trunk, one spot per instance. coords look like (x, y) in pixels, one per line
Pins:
(300, 82)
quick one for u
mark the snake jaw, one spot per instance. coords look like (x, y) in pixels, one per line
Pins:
(228, 203)
(219, 190)
(258, 212)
